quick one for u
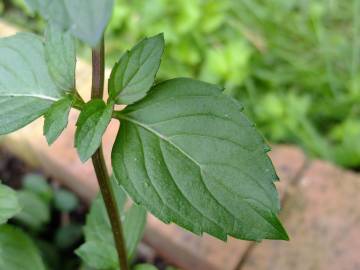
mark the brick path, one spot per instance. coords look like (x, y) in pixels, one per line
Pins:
(321, 206)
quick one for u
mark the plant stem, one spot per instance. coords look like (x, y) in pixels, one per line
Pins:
(98, 160)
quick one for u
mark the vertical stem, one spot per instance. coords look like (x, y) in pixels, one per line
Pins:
(99, 162)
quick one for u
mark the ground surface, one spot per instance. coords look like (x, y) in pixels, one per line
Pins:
(321, 206)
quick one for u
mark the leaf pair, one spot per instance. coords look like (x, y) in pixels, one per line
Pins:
(130, 80)
(33, 75)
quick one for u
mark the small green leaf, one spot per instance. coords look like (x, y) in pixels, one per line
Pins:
(190, 156)
(26, 87)
(35, 211)
(17, 251)
(9, 204)
(145, 266)
(98, 232)
(89, 18)
(56, 118)
(60, 54)
(91, 125)
(68, 235)
(38, 184)
(65, 201)
(98, 255)
(134, 74)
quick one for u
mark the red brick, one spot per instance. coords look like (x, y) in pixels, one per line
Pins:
(322, 216)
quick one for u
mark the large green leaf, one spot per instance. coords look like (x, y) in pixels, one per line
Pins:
(17, 251)
(60, 53)
(9, 204)
(190, 156)
(135, 72)
(26, 88)
(90, 127)
(51, 10)
(56, 118)
(99, 249)
(89, 18)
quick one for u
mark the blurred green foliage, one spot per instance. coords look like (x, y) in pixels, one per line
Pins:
(295, 64)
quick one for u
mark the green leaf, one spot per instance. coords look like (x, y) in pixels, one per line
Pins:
(89, 18)
(91, 125)
(17, 251)
(9, 204)
(98, 255)
(134, 74)
(190, 156)
(65, 201)
(68, 235)
(60, 53)
(145, 266)
(37, 184)
(26, 88)
(35, 211)
(56, 118)
(50, 10)
(98, 232)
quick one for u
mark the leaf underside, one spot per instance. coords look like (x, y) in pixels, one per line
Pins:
(190, 156)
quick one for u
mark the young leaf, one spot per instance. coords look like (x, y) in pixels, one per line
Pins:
(35, 212)
(56, 118)
(190, 156)
(89, 18)
(9, 204)
(17, 251)
(99, 249)
(135, 72)
(26, 88)
(60, 54)
(91, 125)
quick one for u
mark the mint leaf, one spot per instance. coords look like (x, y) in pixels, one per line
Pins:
(89, 18)
(26, 88)
(91, 125)
(9, 204)
(53, 11)
(60, 53)
(17, 250)
(34, 210)
(135, 72)
(98, 255)
(99, 251)
(190, 156)
(56, 118)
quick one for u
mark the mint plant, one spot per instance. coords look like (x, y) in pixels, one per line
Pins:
(185, 151)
